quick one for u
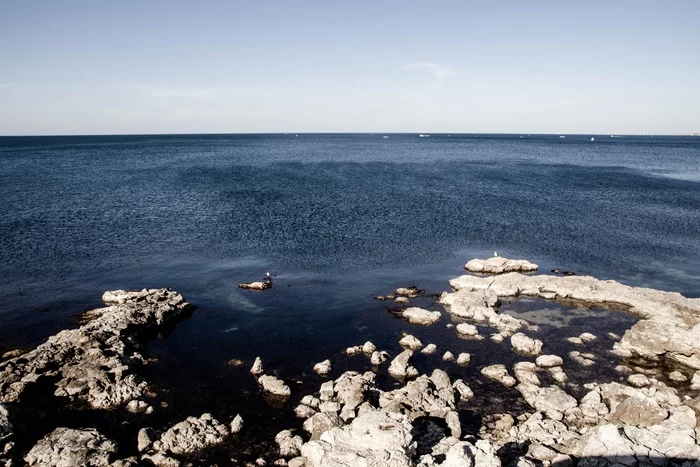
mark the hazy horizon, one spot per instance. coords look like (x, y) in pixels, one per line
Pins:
(76, 68)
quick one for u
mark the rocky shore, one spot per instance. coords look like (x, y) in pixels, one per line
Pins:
(529, 407)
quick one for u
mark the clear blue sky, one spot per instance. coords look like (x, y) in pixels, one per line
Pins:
(101, 67)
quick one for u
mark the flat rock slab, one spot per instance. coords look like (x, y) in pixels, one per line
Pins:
(670, 324)
(415, 315)
(499, 265)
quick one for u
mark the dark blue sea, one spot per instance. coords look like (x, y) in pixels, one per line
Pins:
(336, 219)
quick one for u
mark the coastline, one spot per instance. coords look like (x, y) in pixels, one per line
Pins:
(526, 404)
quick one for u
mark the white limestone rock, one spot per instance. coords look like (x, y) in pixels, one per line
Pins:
(323, 368)
(499, 265)
(274, 386)
(66, 447)
(420, 316)
(525, 345)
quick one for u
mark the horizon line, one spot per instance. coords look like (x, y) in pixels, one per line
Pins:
(40, 135)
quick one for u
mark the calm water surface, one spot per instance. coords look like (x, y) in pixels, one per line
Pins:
(335, 218)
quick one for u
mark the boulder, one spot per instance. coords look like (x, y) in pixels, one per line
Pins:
(192, 434)
(257, 368)
(549, 361)
(379, 357)
(465, 454)
(467, 329)
(448, 356)
(639, 410)
(464, 359)
(430, 349)
(275, 386)
(236, 424)
(321, 422)
(323, 368)
(499, 265)
(420, 316)
(410, 342)
(499, 373)
(551, 400)
(289, 445)
(373, 439)
(67, 447)
(525, 345)
(401, 368)
(368, 348)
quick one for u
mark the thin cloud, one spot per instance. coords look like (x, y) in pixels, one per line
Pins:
(436, 69)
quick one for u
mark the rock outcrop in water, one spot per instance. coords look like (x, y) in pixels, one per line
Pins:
(669, 328)
(95, 364)
(417, 421)
(499, 265)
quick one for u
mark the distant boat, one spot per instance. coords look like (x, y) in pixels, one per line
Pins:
(592, 139)
(562, 136)
(385, 137)
(424, 136)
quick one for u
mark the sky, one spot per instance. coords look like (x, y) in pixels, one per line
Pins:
(134, 67)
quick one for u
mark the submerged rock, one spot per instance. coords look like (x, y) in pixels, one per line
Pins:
(67, 447)
(96, 363)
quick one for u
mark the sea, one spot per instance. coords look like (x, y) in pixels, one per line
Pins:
(337, 219)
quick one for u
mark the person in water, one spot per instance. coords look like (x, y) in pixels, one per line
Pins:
(267, 280)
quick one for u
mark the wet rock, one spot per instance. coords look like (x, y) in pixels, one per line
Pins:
(368, 348)
(499, 265)
(499, 373)
(420, 316)
(258, 285)
(467, 329)
(464, 391)
(257, 368)
(401, 368)
(410, 292)
(67, 447)
(549, 361)
(373, 439)
(379, 357)
(353, 350)
(144, 439)
(323, 368)
(639, 410)
(191, 435)
(574, 340)
(275, 386)
(289, 445)
(464, 359)
(236, 362)
(96, 363)
(669, 326)
(13, 353)
(587, 337)
(321, 422)
(236, 424)
(497, 338)
(430, 349)
(137, 406)
(401, 300)
(448, 356)
(525, 345)
(410, 342)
